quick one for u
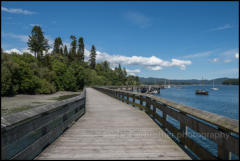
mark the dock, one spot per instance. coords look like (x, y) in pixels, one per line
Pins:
(111, 129)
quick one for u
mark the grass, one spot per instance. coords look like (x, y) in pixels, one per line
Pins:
(15, 110)
(64, 97)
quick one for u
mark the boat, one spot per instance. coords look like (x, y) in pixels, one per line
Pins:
(213, 88)
(201, 91)
(143, 90)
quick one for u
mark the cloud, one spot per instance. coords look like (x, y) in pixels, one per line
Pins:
(138, 18)
(215, 60)
(13, 51)
(34, 25)
(237, 55)
(152, 63)
(226, 26)
(227, 60)
(133, 72)
(201, 54)
(23, 38)
(17, 11)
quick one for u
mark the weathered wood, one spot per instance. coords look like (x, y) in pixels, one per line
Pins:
(188, 117)
(111, 129)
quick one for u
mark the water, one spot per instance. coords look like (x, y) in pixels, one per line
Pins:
(224, 101)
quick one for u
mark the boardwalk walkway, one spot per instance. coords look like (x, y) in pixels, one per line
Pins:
(111, 129)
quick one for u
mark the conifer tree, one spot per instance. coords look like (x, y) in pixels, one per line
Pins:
(37, 42)
(57, 45)
(65, 50)
(93, 57)
(81, 49)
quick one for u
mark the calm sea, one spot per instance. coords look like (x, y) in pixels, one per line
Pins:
(224, 101)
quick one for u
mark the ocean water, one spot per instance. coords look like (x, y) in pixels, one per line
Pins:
(224, 101)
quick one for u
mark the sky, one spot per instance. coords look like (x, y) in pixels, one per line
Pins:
(173, 40)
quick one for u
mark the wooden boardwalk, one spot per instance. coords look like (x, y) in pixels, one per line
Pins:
(111, 129)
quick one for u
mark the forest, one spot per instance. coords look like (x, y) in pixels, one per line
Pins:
(59, 70)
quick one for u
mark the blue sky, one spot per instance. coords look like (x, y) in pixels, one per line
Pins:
(174, 40)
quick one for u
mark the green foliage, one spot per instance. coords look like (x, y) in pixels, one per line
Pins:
(231, 82)
(81, 49)
(37, 42)
(61, 70)
(92, 59)
(57, 46)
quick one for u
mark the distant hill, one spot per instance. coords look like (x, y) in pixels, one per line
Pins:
(231, 82)
(152, 80)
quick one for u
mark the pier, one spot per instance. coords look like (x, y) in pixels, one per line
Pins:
(112, 123)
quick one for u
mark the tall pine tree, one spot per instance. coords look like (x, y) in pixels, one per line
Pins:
(81, 49)
(93, 57)
(57, 45)
(73, 45)
(65, 52)
(37, 42)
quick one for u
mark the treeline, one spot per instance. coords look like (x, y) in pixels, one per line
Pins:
(62, 69)
(231, 82)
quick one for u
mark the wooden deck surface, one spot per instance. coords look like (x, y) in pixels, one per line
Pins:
(111, 129)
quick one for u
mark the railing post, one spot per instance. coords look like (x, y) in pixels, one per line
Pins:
(141, 102)
(223, 153)
(164, 117)
(133, 99)
(183, 134)
(154, 109)
(148, 99)
(127, 98)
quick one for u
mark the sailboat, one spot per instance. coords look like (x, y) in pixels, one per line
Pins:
(213, 88)
(201, 91)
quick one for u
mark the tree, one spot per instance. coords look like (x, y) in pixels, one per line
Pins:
(65, 50)
(73, 45)
(81, 49)
(61, 51)
(93, 57)
(37, 42)
(57, 45)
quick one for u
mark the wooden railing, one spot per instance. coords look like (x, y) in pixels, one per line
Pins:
(25, 134)
(223, 131)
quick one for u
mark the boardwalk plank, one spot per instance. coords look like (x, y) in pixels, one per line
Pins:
(111, 129)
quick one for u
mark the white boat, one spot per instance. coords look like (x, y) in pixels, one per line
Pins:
(213, 88)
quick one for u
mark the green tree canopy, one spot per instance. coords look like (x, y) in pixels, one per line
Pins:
(37, 42)
(81, 49)
(92, 59)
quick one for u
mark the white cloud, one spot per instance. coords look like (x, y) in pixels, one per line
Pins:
(226, 26)
(228, 60)
(13, 51)
(153, 62)
(17, 11)
(201, 54)
(215, 60)
(133, 72)
(138, 18)
(22, 38)
(237, 55)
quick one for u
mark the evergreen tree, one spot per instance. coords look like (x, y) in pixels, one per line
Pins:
(93, 57)
(37, 42)
(65, 50)
(81, 49)
(73, 45)
(61, 51)
(57, 45)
